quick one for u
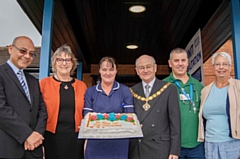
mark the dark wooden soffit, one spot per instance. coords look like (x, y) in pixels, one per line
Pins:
(96, 28)
(104, 27)
(62, 30)
(217, 31)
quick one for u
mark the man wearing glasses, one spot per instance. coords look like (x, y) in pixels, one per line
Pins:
(189, 90)
(157, 108)
(22, 110)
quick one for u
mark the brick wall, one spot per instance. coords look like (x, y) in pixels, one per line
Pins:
(130, 69)
(207, 66)
(4, 56)
(87, 78)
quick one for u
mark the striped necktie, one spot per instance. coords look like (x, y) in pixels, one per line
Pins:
(147, 90)
(23, 84)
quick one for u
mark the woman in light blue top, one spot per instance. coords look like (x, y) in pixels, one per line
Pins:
(220, 112)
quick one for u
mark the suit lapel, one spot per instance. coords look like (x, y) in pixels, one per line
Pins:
(139, 91)
(156, 86)
(30, 87)
(15, 79)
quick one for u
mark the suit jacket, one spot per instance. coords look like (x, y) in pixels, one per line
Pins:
(18, 117)
(160, 124)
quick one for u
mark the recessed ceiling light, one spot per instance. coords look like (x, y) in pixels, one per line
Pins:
(132, 46)
(137, 9)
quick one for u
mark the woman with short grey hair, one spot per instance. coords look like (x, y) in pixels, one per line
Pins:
(220, 112)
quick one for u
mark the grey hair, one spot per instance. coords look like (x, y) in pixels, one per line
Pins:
(178, 51)
(223, 54)
(152, 58)
(64, 49)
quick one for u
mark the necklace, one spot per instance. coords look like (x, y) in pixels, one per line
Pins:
(146, 106)
(66, 86)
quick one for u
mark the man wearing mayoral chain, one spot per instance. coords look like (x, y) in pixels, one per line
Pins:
(157, 107)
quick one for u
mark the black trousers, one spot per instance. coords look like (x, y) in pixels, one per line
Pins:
(27, 155)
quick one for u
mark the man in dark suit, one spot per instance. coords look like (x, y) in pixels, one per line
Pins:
(157, 108)
(22, 110)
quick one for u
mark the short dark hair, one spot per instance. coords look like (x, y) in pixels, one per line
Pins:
(109, 59)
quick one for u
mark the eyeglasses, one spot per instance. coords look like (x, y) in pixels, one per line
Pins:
(221, 64)
(24, 52)
(61, 60)
(148, 67)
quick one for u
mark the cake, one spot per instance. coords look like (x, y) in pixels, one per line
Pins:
(112, 125)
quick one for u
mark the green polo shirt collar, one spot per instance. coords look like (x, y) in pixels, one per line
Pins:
(190, 80)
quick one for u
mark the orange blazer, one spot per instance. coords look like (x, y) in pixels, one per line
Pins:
(50, 91)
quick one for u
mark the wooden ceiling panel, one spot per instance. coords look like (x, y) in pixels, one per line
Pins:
(96, 28)
(33, 9)
(217, 31)
(220, 37)
(185, 20)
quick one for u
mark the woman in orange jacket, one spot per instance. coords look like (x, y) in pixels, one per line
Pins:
(64, 99)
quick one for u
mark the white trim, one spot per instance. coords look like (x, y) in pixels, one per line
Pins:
(99, 90)
(118, 85)
(128, 106)
(87, 108)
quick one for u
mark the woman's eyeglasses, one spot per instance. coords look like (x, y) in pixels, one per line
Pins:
(24, 52)
(221, 64)
(61, 60)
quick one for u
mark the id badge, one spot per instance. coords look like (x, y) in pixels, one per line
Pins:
(183, 97)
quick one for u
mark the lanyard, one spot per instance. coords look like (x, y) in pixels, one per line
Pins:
(190, 97)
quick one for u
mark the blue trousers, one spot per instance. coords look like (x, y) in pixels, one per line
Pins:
(222, 150)
(193, 153)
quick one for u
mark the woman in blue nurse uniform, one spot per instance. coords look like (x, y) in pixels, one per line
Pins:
(106, 97)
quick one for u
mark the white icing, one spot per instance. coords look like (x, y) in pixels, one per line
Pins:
(110, 129)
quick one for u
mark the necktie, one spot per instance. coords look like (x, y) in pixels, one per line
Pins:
(23, 84)
(147, 90)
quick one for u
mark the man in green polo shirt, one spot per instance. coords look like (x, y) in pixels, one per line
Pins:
(189, 90)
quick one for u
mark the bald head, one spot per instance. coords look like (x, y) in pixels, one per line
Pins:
(19, 38)
(144, 58)
(146, 68)
(21, 52)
